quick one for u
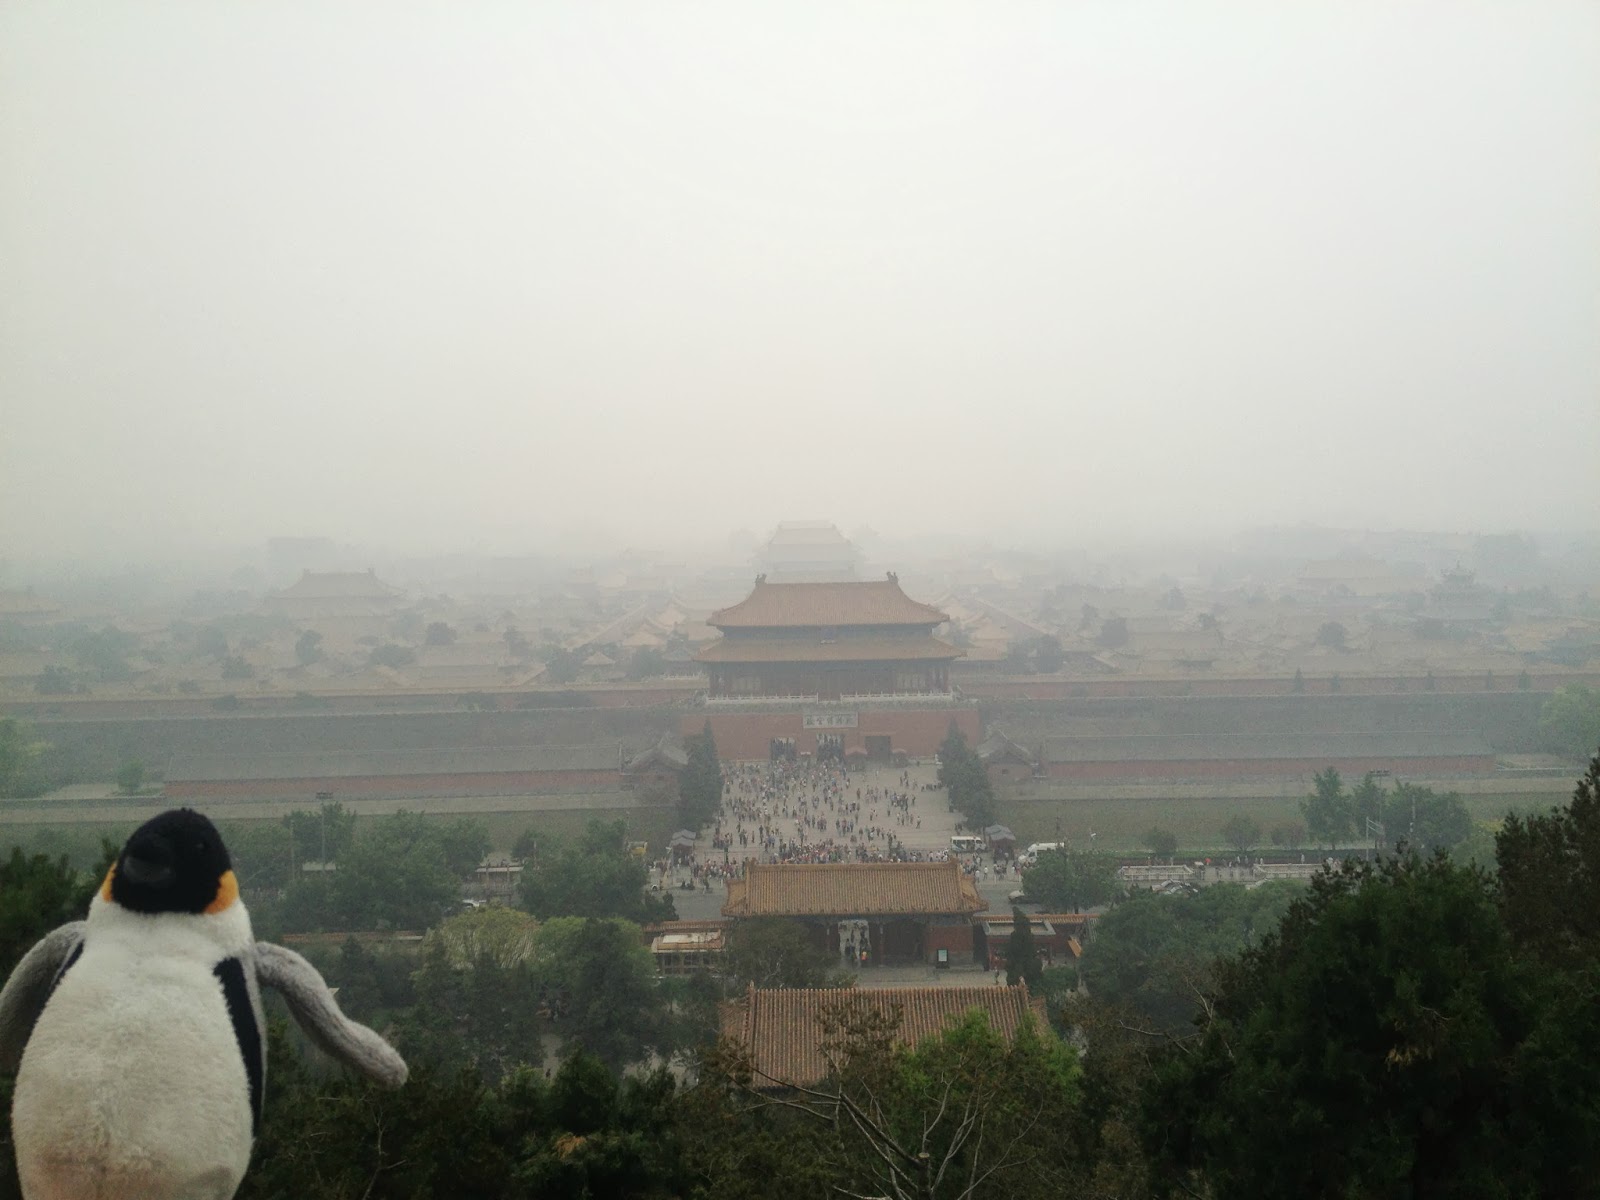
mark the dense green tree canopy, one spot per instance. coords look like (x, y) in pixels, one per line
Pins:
(1384, 1042)
(1549, 867)
(1570, 721)
(592, 877)
(403, 871)
(1072, 880)
(1162, 843)
(1153, 955)
(37, 893)
(962, 775)
(1327, 810)
(1242, 833)
(774, 952)
(19, 756)
(603, 988)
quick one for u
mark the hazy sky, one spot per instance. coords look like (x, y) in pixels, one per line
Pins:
(496, 275)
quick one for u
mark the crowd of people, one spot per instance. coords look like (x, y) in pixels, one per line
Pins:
(815, 811)
(812, 812)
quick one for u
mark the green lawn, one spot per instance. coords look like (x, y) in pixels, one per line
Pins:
(1119, 824)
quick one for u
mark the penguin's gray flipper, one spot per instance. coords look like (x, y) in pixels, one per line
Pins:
(317, 1012)
(30, 986)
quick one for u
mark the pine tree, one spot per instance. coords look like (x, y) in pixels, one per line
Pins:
(700, 784)
(1022, 956)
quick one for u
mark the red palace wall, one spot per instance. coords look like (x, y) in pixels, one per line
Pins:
(955, 938)
(917, 732)
(1201, 684)
(1244, 768)
(511, 783)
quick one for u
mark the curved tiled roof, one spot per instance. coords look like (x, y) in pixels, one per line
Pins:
(847, 649)
(783, 1029)
(852, 890)
(809, 605)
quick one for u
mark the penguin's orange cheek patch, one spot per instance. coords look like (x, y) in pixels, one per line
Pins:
(227, 893)
(105, 888)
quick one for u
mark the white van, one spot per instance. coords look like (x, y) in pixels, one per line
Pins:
(967, 844)
(1031, 854)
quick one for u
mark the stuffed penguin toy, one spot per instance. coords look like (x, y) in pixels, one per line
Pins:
(136, 1035)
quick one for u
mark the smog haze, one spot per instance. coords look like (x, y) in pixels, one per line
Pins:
(507, 276)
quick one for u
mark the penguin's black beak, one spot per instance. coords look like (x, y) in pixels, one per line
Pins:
(148, 862)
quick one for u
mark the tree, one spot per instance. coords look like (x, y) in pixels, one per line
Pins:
(392, 654)
(593, 877)
(1162, 843)
(1332, 635)
(105, 654)
(1569, 722)
(439, 634)
(260, 851)
(1113, 633)
(560, 664)
(323, 835)
(308, 648)
(1022, 955)
(773, 952)
(961, 1116)
(1289, 835)
(604, 996)
(1327, 810)
(56, 680)
(1366, 804)
(19, 754)
(1386, 1041)
(478, 994)
(211, 642)
(1072, 880)
(1242, 833)
(1048, 655)
(235, 667)
(403, 872)
(1152, 956)
(965, 780)
(700, 781)
(1425, 819)
(37, 893)
(130, 779)
(1549, 876)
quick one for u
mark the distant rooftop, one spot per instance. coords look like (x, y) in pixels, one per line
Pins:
(784, 1029)
(810, 605)
(323, 585)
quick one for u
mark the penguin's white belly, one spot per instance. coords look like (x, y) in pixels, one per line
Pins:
(132, 1084)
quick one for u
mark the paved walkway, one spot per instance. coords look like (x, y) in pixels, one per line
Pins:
(931, 807)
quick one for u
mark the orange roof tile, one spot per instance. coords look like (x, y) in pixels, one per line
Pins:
(851, 889)
(783, 1030)
(758, 650)
(775, 605)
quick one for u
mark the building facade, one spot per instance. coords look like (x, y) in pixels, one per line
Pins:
(827, 642)
(870, 914)
(839, 669)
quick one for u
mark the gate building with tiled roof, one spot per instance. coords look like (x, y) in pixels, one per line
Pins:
(905, 912)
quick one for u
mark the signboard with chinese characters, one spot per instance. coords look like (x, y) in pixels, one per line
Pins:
(826, 720)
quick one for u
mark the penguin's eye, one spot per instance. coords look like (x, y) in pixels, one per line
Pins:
(202, 845)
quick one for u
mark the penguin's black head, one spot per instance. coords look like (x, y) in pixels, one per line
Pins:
(174, 863)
